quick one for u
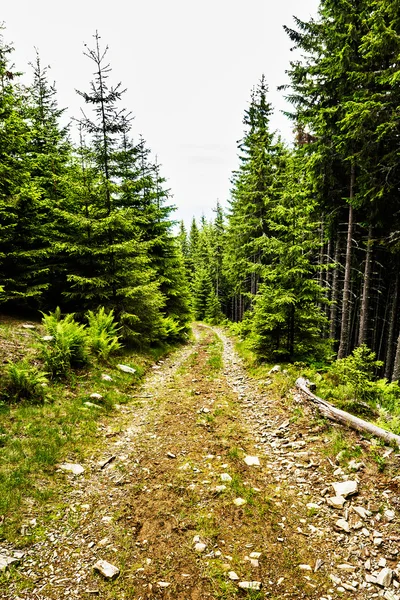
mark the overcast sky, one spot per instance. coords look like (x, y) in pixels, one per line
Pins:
(188, 65)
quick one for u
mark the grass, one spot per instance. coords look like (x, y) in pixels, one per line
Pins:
(34, 438)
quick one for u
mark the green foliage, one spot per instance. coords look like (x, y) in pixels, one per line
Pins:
(67, 345)
(23, 382)
(356, 372)
(102, 333)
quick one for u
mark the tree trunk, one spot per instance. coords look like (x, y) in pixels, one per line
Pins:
(362, 334)
(335, 290)
(392, 328)
(344, 333)
(396, 368)
(340, 416)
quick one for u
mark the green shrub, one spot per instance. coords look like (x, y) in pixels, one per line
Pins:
(102, 332)
(172, 330)
(66, 346)
(357, 372)
(23, 381)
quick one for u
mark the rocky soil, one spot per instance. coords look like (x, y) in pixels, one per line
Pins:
(214, 487)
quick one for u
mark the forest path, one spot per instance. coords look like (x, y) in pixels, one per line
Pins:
(181, 514)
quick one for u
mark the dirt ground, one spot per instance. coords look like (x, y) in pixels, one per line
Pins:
(181, 514)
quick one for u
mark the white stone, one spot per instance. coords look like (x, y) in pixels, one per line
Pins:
(7, 561)
(72, 468)
(382, 562)
(233, 576)
(305, 567)
(389, 595)
(226, 477)
(362, 512)
(345, 488)
(239, 501)
(255, 554)
(252, 461)
(200, 547)
(96, 396)
(355, 466)
(346, 567)
(28, 326)
(220, 488)
(91, 405)
(313, 505)
(335, 579)
(389, 515)
(171, 455)
(108, 570)
(250, 585)
(126, 369)
(163, 584)
(385, 577)
(336, 501)
(48, 338)
(106, 377)
(343, 524)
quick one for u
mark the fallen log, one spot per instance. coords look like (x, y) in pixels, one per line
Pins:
(344, 418)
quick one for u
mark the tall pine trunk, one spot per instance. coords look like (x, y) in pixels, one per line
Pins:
(335, 290)
(392, 328)
(362, 334)
(344, 333)
(396, 368)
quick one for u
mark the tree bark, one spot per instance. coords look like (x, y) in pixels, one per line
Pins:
(344, 333)
(362, 334)
(392, 328)
(396, 368)
(340, 416)
(335, 291)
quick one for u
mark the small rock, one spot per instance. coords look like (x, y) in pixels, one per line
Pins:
(48, 338)
(106, 377)
(75, 469)
(250, 585)
(220, 488)
(389, 595)
(91, 405)
(305, 567)
(385, 577)
(239, 501)
(275, 369)
(252, 461)
(171, 455)
(346, 567)
(226, 477)
(312, 505)
(370, 578)
(96, 396)
(7, 561)
(345, 488)
(255, 554)
(163, 584)
(106, 569)
(28, 326)
(200, 547)
(362, 512)
(367, 564)
(126, 369)
(233, 576)
(355, 466)
(343, 524)
(335, 579)
(389, 515)
(336, 501)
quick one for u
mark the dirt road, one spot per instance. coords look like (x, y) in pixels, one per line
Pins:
(210, 488)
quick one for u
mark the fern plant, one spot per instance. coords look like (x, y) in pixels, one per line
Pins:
(66, 345)
(102, 333)
(23, 381)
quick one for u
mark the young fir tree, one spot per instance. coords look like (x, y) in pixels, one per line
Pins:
(251, 200)
(24, 211)
(111, 266)
(287, 321)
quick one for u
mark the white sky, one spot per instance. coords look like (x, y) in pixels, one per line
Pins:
(189, 67)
